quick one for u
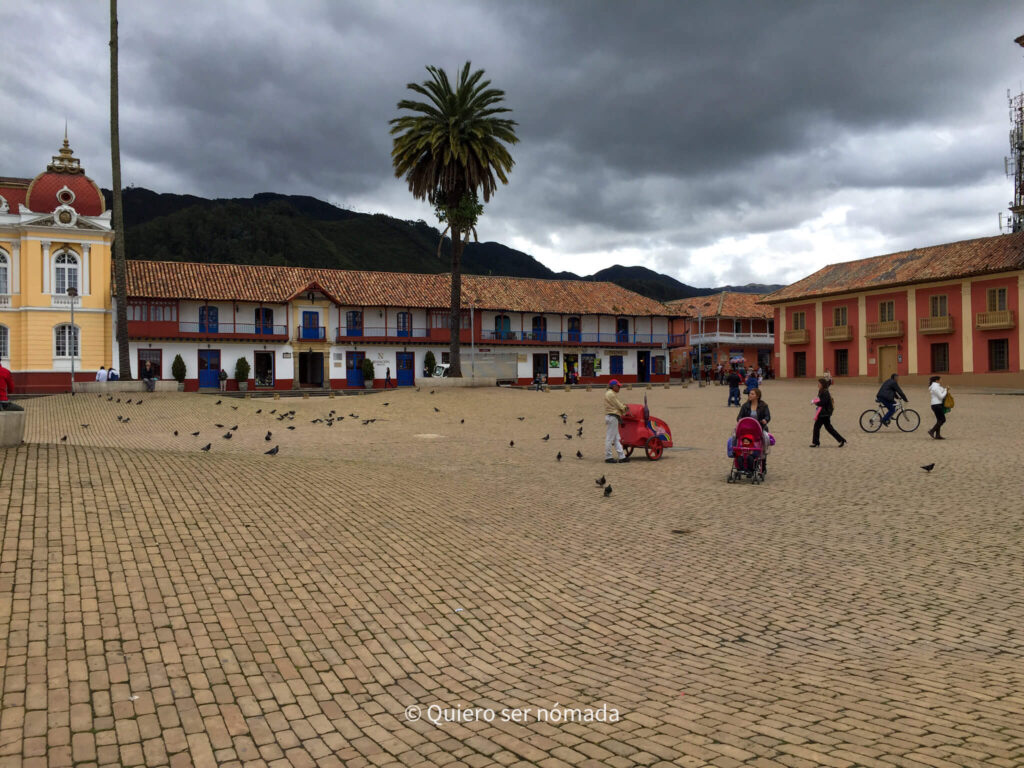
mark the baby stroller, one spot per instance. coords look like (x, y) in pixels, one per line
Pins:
(748, 448)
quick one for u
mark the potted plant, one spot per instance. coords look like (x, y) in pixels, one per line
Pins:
(178, 371)
(368, 373)
(242, 374)
(429, 362)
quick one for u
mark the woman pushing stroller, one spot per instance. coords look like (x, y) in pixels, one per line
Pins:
(755, 407)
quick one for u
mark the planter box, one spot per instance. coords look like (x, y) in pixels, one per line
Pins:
(12, 428)
(243, 386)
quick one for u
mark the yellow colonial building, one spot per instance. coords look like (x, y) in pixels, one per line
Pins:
(55, 237)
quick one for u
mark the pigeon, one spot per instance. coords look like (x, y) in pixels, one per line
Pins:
(600, 480)
(607, 491)
(579, 432)
(386, 404)
(138, 402)
(563, 415)
(119, 418)
(546, 437)
(259, 410)
(521, 418)
(462, 421)
(316, 421)
(206, 447)
(128, 402)
(273, 451)
(580, 421)
(267, 438)
(195, 434)
(109, 399)
(928, 467)
(274, 411)
(559, 456)
(437, 410)
(85, 426)
(226, 435)
(234, 407)
(218, 402)
(119, 399)
(431, 391)
(125, 421)
(64, 439)
(234, 428)
(568, 437)
(291, 427)
(579, 455)
(175, 433)
(219, 426)
(511, 443)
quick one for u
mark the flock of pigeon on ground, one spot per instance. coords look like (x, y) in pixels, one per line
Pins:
(329, 421)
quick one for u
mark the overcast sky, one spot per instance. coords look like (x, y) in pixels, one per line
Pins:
(718, 142)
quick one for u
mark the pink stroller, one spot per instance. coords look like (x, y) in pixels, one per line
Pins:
(748, 448)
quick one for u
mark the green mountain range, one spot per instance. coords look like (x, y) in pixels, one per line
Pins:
(297, 230)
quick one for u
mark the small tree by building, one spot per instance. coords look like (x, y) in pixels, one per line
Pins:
(368, 374)
(242, 370)
(429, 362)
(178, 370)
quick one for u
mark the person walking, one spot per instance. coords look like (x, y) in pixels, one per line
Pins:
(614, 410)
(887, 394)
(824, 416)
(733, 380)
(387, 378)
(938, 396)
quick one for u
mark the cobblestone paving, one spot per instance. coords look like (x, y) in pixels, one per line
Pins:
(164, 606)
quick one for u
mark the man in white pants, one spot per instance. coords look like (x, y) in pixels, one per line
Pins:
(613, 410)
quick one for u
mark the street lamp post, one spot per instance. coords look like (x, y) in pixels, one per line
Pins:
(72, 295)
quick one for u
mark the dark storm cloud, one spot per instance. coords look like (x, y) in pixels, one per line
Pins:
(667, 126)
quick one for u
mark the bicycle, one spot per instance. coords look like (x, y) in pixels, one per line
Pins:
(906, 419)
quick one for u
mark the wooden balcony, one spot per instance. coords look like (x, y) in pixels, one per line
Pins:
(995, 321)
(838, 332)
(927, 325)
(886, 330)
(800, 336)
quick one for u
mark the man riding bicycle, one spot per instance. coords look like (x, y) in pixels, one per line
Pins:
(887, 395)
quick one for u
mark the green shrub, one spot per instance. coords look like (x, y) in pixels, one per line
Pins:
(429, 362)
(242, 370)
(178, 369)
(368, 370)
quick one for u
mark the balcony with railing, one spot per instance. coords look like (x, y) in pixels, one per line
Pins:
(64, 301)
(838, 332)
(796, 336)
(5, 300)
(581, 337)
(884, 330)
(311, 333)
(175, 329)
(381, 333)
(728, 337)
(995, 321)
(935, 325)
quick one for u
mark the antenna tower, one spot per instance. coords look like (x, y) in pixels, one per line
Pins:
(1015, 162)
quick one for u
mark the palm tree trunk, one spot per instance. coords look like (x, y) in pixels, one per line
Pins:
(120, 263)
(455, 322)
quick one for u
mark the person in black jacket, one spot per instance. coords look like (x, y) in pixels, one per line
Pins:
(824, 417)
(755, 407)
(733, 380)
(887, 395)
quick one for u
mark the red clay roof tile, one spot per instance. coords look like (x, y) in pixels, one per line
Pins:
(724, 304)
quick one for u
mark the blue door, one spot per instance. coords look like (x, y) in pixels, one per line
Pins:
(615, 365)
(406, 369)
(404, 324)
(209, 368)
(354, 368)
(354, 323)
(264, 321)
(574, 329)
(643, 366)
(311, 325)
(207, 319)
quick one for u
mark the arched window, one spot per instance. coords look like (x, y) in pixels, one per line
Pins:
(5, 348)
(65, 341)
(502, 327)
(65, 272)
(5, 265)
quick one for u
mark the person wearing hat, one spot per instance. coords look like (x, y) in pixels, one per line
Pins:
(614, 410)
(938, 393)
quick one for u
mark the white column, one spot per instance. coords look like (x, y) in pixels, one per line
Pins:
(15, 286)
(912, 330)
(862, 339)
(781, 330)
(967, 324)
(85, 269)
(46, 266)
(819, 340)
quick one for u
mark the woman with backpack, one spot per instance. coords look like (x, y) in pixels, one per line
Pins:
(938, 395)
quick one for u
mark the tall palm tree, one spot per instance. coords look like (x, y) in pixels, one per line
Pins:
(450, 151)
(120, 262)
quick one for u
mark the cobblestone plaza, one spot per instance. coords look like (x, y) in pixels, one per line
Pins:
(341, 602)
